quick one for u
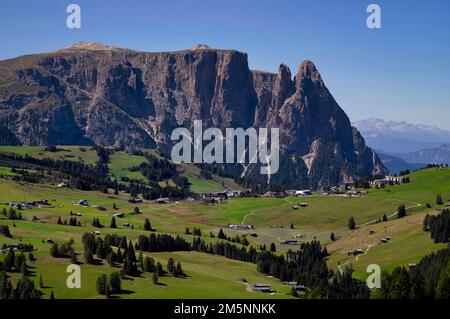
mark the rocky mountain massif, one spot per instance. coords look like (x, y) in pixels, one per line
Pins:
(96, 94)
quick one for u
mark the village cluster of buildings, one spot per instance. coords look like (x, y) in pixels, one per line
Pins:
(290, 193)
(28, 205)
(241, 227)
(217, 197)
(389, 180)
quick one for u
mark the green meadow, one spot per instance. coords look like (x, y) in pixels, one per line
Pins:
(211, 276)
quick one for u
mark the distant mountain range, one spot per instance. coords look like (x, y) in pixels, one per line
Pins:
(402, 145)
(401, 137)
(437, 155)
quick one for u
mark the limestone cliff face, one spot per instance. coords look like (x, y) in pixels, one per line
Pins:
(95, 94)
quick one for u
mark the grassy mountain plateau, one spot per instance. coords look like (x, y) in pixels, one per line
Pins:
(85, 179)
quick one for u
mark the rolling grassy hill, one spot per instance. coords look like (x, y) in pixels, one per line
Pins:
(214, 276)
(120, 164)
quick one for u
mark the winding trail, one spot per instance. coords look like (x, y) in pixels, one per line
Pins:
(367, 250)
(394, 214)
(254, 211)
(339, 266)
(243, 220)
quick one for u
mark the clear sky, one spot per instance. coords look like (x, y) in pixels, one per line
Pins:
(398, 72)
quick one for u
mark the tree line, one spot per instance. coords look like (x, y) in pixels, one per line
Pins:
(438, 226)
(429, 279)
(25, 288)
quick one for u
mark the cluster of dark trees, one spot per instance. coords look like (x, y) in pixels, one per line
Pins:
(62, 250)
(438, 226)
(4, 230)
(82, 176)
(93, 245)
(102, 248)
(272, 246)
(24, 289)
(344, 286)
(14, 263)
(307, 265)
(363, 182)
(103, 155)
(236, 239)
(126, 255)
(404, 172)
(162, 243)
(156, 169)
(92, 177)
(20, 247)
(72, 222)
(108, 285)
(156, 191)
(429, 279)
(174, 269)
(11, 214)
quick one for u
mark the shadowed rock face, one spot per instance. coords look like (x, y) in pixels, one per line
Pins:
(96, 94)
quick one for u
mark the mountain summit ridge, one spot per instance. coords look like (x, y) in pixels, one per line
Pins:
(401, 137)
(126, 98)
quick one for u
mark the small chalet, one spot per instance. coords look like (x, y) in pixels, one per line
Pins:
(264, 288)
(162, 200)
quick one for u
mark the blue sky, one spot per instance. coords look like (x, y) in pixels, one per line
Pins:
(398, 72)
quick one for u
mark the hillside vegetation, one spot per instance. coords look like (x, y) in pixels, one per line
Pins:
(211, 276)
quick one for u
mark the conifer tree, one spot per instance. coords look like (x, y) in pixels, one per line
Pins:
(73, 258)
(401, 212)
(159, 269)
(101, 284)
(113, 223)
(170, 265)
(115, 283)
(179, 270)
(155, 278)
(351, 223)
(147, 225)
(149, 264)
(221, 234)
(293, 292)
(273, 248)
